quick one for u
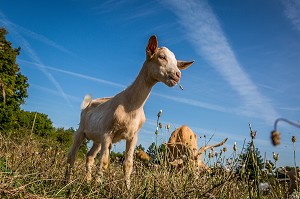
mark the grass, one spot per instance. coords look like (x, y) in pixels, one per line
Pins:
(32, 167)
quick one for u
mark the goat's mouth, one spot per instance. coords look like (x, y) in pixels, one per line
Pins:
(173, 80)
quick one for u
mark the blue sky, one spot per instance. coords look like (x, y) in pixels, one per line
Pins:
(246, 69)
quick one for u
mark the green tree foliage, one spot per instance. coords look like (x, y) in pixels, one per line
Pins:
(251, 162)
(252, 169)
(157, 153)
(64, 136)
(117, 156)
(39, 123)
(140, 147)
(152, 150)
(13, 85)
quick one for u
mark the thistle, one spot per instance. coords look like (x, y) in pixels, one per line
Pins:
(252, 133)
(234, 147)
(159, 113)
(160, 125)
(275, 156)
(275, 135)
(294, 139)
(156, 132)
(210, 154)
(168, 126)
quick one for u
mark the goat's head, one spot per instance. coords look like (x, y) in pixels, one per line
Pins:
(163, 65)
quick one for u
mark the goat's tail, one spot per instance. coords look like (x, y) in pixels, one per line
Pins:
(86, 101)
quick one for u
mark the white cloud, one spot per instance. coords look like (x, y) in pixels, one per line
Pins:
(292, 12)
(205, 33)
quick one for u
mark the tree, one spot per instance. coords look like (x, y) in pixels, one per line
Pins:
(152, 151)
(13, 85)
(64, 136)
(116, 156)
(157, 153)
(40, 123)
(251, 163)
(140, 147)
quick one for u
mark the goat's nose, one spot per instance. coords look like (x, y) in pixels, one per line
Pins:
(178, 74)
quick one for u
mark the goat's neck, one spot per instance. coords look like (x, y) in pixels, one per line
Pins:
(138, 92)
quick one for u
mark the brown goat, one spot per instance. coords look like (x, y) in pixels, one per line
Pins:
(183, 142)
(143, 156)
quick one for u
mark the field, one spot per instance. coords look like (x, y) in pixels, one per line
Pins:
(32, 167)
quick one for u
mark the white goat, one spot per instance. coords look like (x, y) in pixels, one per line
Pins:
(108, 120)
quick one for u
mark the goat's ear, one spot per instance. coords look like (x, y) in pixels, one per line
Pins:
(184, 64)
(152, 46)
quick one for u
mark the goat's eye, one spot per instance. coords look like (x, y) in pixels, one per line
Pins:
(162, 56)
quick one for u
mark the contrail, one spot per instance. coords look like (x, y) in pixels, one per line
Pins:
(197, 103)
(34, 35)
(205, 33)
(190, 102)
(31, 53)
(75, 74)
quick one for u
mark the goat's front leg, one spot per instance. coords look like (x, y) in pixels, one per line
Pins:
(103, 157)
(128, 162)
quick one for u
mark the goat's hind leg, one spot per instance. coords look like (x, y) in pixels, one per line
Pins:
(103, 158)
(78, 139)
(90, 157)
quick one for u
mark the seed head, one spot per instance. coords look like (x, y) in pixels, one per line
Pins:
(253, 134)
(275, 136)
(210, 155)
(270, 167)
(168, 126)
(234, 146)
(160, 125)
(224, 149)
(159, 113)
(294, 139)
(275, 156)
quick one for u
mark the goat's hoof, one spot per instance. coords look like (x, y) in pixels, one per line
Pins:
(88, 178)
(99, 179)
(127, 182)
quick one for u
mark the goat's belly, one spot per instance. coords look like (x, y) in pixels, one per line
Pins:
(94, 136)
(118, 139)
(123, 135)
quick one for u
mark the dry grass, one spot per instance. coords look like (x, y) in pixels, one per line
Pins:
(34, 168)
